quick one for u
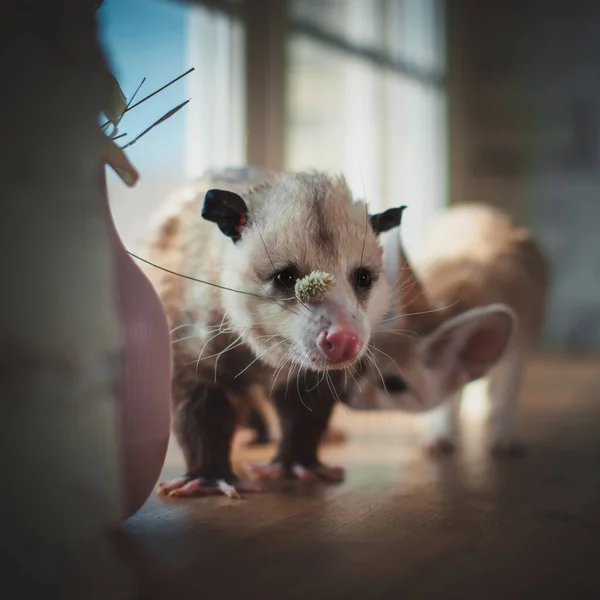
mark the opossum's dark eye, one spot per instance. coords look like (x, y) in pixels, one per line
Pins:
(394, 384)
(363, 278)
(286, 279)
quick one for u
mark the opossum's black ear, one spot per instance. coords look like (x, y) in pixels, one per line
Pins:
(382, 222)
(227, 210)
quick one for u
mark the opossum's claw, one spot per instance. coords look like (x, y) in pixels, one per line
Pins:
(277, 471)
(185, 487)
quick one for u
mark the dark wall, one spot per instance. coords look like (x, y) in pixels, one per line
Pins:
(525, 124)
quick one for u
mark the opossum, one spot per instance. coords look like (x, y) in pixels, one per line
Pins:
(255, 235)
(474, 310)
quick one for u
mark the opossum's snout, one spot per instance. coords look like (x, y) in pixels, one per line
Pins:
(340, 345)
(333, 336)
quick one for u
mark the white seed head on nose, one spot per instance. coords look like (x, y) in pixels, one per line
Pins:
(313, 288)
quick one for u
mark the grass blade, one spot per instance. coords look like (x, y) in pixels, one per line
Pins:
(161, 120)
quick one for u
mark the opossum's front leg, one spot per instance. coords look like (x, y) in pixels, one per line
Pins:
(304, 417)
(204, 425)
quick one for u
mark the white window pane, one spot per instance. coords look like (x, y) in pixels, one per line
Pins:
(334, 116)
(416, 154)
(215, 128)
(415, 33)
(410, 31)
(386, 131)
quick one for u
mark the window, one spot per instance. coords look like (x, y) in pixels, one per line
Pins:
(366, 97)
(216, 119)
(358, 89)
(148, 38)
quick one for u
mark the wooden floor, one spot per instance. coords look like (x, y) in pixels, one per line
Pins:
(402, 525)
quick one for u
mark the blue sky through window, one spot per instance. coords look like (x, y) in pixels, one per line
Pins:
(149, 38)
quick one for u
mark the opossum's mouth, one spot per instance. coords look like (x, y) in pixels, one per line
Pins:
(318, 362)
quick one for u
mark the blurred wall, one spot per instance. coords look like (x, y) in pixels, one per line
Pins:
(524, 128)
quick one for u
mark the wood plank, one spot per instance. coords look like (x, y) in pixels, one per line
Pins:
(402, 524)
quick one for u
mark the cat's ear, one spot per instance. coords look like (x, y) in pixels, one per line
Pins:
(389, 219)
(467, 346)
(228, 210)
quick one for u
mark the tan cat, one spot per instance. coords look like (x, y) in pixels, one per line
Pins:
(474, 311)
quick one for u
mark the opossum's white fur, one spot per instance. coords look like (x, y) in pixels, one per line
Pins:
(474, 312)
(285, 228)
(309, 219)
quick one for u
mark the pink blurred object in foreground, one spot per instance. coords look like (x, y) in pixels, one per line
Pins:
(145, 389)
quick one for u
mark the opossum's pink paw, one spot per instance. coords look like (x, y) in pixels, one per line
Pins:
(276, 471)
(164, 488)
(324, 472)
(184, 487)
(441, 446)
(510, 448)
(273, 471)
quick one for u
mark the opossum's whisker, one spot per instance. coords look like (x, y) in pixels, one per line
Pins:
(418, 399)
(262, 337)
(206, 344)
(295, 363)
(422, 294)
(262, 239)
(216, 353)
(280, 366)
(199, 358)
(188, 337)
(228, 348)
(260, 356)
(223, 319)
(278, 370)
(285, 361)
(299, 364)
(204, 347)
(332, 389)
(329, 383)
(228, 329)
(372, 360)
(424, 312)
(335, 394)
(180, 326)
(352, 371)
(388, 356)
(219, 329)
(362, 254)
(394, 286)
(306, 382)
(298, 386)
(401, 289)
(318, 381)
(401, 332)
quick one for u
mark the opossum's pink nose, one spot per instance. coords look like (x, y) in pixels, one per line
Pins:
(340, 344)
